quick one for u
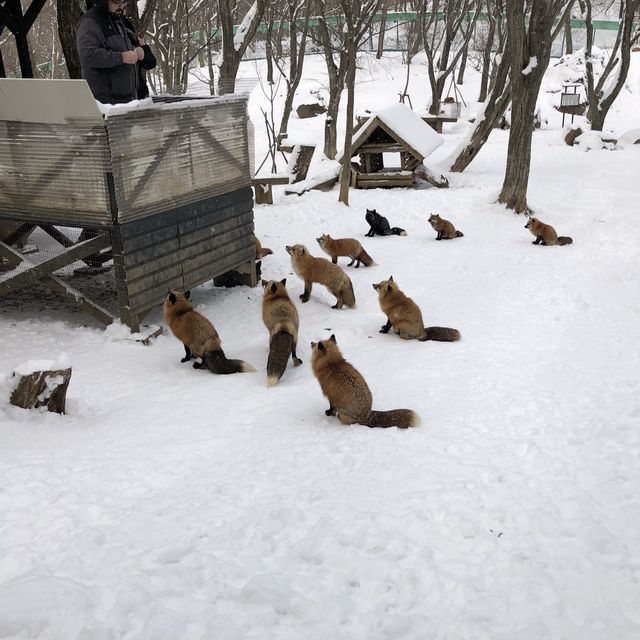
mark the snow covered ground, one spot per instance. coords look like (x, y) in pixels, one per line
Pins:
(175, 504)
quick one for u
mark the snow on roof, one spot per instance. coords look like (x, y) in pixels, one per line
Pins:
(408, 125)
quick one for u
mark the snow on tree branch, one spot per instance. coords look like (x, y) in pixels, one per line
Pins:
(238, 38)
(533, 63)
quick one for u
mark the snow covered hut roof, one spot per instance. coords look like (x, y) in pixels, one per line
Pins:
(405, 125)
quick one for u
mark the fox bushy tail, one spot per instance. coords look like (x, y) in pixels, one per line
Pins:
(279, 352)
(402, 418)
(365, 258)
(562, 240)
(217, 362)
(397, 231)
(348, 296)
(441, 334)
(459, 234)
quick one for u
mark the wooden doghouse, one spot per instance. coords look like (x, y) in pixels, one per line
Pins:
(161, 191)
(393, 130)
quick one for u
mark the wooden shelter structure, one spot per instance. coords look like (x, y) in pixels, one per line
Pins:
(159, 191)
(393, 130)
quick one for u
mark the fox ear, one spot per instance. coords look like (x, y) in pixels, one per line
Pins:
(274, 287)
(187, 294)
(390, 278)
(333, 338)
(264, 283)
(321, 346)
(172, 298)
(283, 281)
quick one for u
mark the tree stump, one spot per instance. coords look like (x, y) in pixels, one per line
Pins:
(42, 388)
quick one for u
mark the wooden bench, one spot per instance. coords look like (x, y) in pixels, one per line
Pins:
(262, 187)
(435, 122)
(384, 179)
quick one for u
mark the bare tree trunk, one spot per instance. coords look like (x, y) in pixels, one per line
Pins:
(212, 85)
(530, 52)
(345, 176)
(455, 14)
(486, 55)
(331, 119)
(336, 74)
(383, 28)
(69, 13)
(568, 37)
(231, 56)
(463, 63)
(296, 57)
(599, 99)
(486, 121)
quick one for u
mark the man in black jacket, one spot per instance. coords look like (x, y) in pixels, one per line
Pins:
(112, 56)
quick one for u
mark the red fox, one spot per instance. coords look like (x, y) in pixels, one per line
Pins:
(280, 316)
(319, 270)
(349, 247)
(348, 393)
(260, 251)
(445, 229)
(198, 335)
(404, 315)
(545, 233)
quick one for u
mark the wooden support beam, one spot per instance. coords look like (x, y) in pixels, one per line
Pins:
(21, 232)
(78, 299)
(28, 271)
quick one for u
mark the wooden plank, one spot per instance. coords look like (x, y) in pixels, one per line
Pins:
(21, 232)
(56, 284)
(382, 147)
(164, 242)
(217, 220)
(28, 271)
(270, 180)
(213, 244)
(78, 299)
(232, 244)
(264, 194)
(154, 296)
(207, 272)
(155, 259)
(155, 280)
(148, 224)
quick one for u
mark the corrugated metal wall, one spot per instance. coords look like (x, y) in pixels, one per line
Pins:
(54, 173)
(178, 156)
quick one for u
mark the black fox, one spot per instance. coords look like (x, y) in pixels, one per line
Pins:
(380, 225)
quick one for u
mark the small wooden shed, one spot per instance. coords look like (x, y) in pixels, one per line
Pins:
(395, 129)
(160, 191)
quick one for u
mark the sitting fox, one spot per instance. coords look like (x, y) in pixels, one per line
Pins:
(379, 225)
(348, 247)
(198, 335)
(444, 228)
(348, 393)
(280, 316)
(546, 234)
(404, 315)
